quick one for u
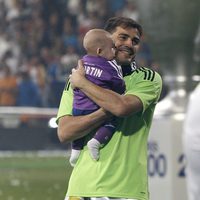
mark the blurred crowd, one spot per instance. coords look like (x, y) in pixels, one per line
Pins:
(41, 40)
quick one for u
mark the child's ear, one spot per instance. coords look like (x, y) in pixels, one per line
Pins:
(99, 51)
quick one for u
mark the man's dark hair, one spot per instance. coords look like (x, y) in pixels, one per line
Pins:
(124, 22)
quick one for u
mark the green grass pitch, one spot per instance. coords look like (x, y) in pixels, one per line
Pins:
(33, 177)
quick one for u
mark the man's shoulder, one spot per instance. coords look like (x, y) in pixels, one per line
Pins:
(146, 75)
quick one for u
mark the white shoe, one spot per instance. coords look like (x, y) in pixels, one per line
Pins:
(93, 147)
(74, 156)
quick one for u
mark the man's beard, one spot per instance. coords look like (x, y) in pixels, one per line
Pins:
(127, 58)
(124, 62)
(128, 64)
(130, 51)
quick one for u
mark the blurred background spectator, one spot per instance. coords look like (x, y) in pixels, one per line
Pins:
(8, 87)
(28, 91)
(44, 38)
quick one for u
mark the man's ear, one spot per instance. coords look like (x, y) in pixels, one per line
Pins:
(99, 51)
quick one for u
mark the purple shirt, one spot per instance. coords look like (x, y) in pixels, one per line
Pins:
(104, 73)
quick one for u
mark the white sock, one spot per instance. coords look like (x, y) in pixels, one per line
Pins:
(93, 147)
(74, 156)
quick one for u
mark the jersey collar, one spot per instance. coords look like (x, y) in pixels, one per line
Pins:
(129, 69)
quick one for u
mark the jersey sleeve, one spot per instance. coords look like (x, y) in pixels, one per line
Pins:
(146, 84)
(66, 103)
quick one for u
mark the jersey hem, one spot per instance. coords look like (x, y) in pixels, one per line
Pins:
(108, 195)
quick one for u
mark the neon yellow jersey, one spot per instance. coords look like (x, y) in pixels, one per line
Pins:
(121, 170)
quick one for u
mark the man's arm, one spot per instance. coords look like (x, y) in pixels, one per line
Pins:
(118, 105)
(73, 127)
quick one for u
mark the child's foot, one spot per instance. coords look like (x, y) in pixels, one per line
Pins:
(94, 146)
(74, 157)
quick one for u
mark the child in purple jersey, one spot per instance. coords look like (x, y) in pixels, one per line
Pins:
(101, 69)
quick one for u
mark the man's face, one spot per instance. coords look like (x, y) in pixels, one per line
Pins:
(126, 42)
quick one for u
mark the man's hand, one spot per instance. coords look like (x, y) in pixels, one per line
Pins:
(77, 77)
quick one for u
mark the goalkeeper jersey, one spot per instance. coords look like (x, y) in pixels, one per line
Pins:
(121, 170)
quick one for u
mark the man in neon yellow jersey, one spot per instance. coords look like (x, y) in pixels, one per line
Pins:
(121, 171)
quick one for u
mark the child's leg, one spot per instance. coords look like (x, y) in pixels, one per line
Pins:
(105, 133)
(77, 146)
(102, 137)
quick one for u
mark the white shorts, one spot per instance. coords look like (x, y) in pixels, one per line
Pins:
(96, 198)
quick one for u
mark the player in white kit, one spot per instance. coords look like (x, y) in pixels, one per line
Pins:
(191, 140)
